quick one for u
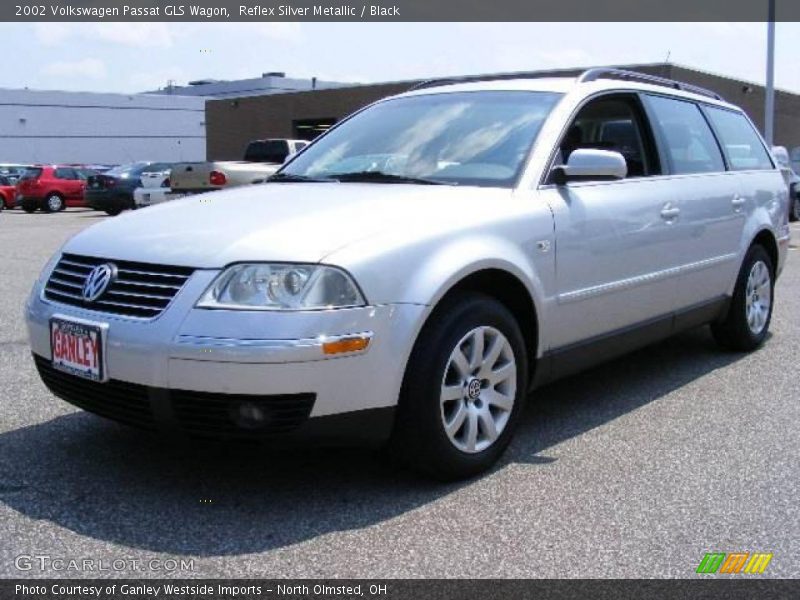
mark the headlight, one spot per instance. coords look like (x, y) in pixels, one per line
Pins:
(281, 287)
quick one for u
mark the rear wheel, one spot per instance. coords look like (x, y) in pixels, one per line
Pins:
(113, 212)
(463, 390)
(53, 203)
(794, 213)
(29, 206)
(746, 325)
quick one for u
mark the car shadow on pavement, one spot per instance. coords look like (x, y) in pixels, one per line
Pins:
(116, 485)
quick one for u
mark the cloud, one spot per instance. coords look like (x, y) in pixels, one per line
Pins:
(143, 35)
(52, 34)
(146, 35)
(93, 68)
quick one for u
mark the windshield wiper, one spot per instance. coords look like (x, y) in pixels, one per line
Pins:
(292, 178)
(381, 177)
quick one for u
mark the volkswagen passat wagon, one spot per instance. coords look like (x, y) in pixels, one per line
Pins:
(412, 275)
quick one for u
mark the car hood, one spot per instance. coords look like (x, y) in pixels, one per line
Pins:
(293, 222)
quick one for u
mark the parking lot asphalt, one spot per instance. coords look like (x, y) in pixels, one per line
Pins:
(633, 469)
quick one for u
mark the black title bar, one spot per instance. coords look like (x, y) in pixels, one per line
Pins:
(398, 10)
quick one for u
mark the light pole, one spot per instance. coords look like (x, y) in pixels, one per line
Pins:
(769, 104)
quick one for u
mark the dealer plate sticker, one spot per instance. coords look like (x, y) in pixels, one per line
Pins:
(77, 347)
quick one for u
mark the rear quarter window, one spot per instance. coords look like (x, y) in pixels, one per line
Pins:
(742, 144)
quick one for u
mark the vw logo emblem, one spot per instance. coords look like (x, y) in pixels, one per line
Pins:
(473, 388)
(97, 281)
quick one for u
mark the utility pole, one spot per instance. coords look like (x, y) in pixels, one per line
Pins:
(769, 105)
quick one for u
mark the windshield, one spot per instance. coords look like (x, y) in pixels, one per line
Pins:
(465, 138)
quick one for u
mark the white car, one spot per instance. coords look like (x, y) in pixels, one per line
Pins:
(528, 228)
(792, 180)
(155, 189)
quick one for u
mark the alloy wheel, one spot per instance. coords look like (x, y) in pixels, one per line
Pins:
(758, 297)
(54, 203)
(478, 389)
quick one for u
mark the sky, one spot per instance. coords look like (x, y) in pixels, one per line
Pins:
(134, 57)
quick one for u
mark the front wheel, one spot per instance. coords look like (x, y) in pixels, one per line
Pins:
(746, 325)
(29, 206)
(463, 391)
(113, 212)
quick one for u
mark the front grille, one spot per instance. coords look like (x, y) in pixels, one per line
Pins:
(124, 402)
(140, 290)
(235, 416)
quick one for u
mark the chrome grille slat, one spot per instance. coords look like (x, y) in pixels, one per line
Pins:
(67, 283)
(143, 291)
(67, 294)
(151, 274)
(71, 263)
(150, 285)
(68, 273)
(140, 295)
(126, 305)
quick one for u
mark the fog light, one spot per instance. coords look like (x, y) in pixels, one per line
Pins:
(355, 343)
(249, 415)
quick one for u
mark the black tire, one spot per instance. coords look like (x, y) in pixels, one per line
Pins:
(53, 202)
(113, 212)
(733, 332)
(29, 206)
(419, 439)
(794, 209)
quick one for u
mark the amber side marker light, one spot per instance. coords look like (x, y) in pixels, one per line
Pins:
(356, 343)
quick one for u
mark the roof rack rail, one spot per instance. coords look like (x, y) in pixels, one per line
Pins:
(610, 73)
(428, 83)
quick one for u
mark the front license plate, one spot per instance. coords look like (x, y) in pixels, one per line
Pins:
(78, 347)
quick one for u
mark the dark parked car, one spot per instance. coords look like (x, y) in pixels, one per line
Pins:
(112, 191)
(51, 187)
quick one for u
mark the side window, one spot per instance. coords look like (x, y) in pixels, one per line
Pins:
(742, 144)
(65, 173)
(612, 123)
(689, 143)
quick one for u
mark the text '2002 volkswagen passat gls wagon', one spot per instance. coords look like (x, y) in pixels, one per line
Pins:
(415, 272)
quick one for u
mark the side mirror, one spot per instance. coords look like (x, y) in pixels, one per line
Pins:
(781, 155)
(591, 163)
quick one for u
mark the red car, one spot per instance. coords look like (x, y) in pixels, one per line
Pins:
(8, 192)
(51, 187)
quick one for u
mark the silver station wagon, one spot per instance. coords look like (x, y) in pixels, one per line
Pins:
(413, 275)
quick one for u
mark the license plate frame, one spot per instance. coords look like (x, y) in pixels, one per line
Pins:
(86, 356)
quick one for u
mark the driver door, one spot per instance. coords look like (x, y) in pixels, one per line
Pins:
(614, 243)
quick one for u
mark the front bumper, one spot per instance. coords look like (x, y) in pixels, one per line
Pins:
(108, 200)
(190, 356)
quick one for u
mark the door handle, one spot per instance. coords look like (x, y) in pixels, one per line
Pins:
(737, 202)
(669, 212)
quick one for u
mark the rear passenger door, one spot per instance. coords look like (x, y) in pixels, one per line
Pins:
(70, 183)
(711, 210)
